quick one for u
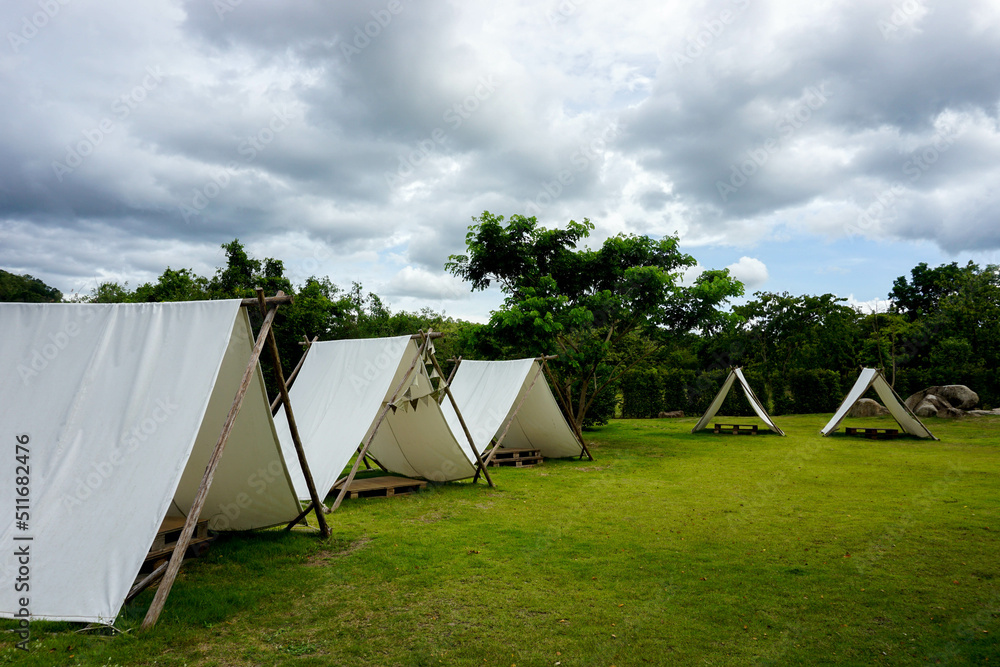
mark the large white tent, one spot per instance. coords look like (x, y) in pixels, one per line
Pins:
(510, 400)
(873, 378)
(339, 394)
(736, 375)
(118, 408)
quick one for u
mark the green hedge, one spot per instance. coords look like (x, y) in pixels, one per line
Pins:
(815, 390)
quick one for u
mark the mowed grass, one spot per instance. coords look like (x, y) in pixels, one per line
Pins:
(669, 548)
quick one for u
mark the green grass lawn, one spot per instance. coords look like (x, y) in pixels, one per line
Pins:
(669, 548)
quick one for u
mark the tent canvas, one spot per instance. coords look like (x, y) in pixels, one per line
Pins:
(119, 407)
(736, 375)
(873, 378)
(512, 400)
(338, 395)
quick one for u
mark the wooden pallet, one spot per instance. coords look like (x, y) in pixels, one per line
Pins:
(736, 429)
(167, 537)
(516, 458)
(872, 433)
(382, 487)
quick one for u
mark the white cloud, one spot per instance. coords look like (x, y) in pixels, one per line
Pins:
(750, 271)
(417, 282)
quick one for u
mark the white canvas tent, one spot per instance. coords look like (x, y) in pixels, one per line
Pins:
(376, 390)
(758, 407)
(511, 404)
(873, 378)
(119, 409)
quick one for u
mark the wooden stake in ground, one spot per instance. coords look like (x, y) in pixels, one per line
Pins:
(279, 375)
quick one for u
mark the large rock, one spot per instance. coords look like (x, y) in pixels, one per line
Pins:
(995, 412)
(935, 406)
(866, 407)
(956, 395)
(672, 414)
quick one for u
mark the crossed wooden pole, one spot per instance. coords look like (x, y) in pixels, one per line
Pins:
(268, 308)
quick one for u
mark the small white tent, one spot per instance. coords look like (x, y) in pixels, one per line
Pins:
(116, 409)
(872, 377)
(758, 407)
(339, 394)
(510, 400)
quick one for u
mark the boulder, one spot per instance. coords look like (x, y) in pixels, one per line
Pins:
(956, 395)
(671, 414)
(935, 406)
(866, 407)
(995, 412)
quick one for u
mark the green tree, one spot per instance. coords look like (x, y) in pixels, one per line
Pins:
(583, 303)
(26, 288)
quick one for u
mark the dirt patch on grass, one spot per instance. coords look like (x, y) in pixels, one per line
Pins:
(327, 555)
(591, 468)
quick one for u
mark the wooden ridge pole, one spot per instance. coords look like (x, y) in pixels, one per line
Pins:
(199, 501)
(513, 416)
(378, 422)
(570, 421)
(293, 428)
(279, 299)
(461, 420)
(295, 371)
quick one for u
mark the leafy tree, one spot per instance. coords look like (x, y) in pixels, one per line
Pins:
(26, 288)
(922, 294)
(585, 304)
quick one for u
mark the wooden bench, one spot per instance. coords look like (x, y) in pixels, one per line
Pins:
(872, 433)
(736, 429)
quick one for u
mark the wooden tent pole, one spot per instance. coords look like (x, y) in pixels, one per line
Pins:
(199, 501)
(571, 421)
(451, 376)
(513, 416)
(381, 417)
(295, 371)
(461, 420)
(146, 582)
(293, 428)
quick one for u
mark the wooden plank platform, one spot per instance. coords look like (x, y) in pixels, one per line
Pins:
(167, 537)
(516, 458)
(872, 433)
(382, 487)
(736, 429)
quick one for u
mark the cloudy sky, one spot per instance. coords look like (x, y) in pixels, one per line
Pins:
(809, 147)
